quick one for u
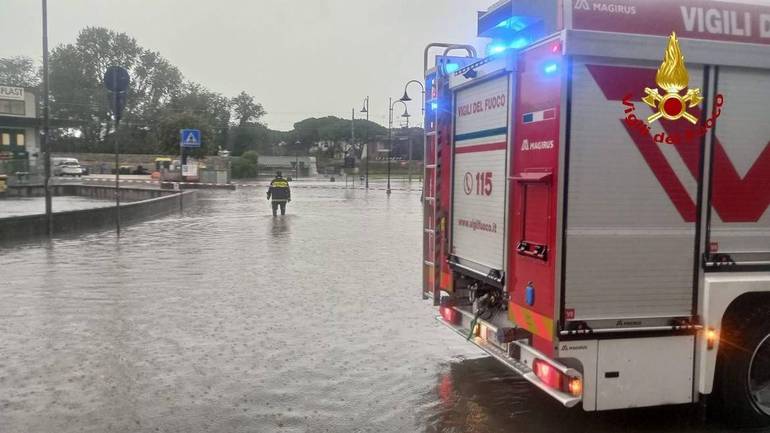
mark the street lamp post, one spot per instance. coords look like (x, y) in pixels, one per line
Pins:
(422, 113)
(409, 151)
(391, 103)
(365, 110)
(296, 159)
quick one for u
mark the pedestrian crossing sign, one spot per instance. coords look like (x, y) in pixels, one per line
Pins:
(190, 138)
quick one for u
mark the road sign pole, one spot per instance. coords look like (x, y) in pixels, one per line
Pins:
(45, 143)
(116, 95)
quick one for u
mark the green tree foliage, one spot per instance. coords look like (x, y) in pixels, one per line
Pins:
(250, 137)
(245, 166)
(245, 110)
(19, 71)
(170, 125)
(211, 107)
(160, 102)
(78, 94)
(332, 132)
(251, 156)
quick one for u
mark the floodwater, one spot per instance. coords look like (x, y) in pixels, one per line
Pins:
(36, 205)
(225, 319)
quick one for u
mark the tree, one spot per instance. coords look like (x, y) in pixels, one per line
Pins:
(246, 110)
(332, 132)
(19, 71)
(157, 93)
(210, 106)
(250, 137)
(170, 125)
(78, 94)
(155, 83)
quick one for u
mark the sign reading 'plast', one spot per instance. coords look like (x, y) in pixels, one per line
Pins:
(13, 93)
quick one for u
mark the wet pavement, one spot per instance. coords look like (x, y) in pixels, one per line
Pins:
(225, 319)
(36, 205)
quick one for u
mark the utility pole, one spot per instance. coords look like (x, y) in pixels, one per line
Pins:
(353, 142)
(390, 138)
(44, 142)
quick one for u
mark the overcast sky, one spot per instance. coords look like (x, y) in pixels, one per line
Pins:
(299, 58)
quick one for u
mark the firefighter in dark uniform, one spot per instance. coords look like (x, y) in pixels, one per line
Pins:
(280, 193)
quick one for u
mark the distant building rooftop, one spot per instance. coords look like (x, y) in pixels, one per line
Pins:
(307, 164)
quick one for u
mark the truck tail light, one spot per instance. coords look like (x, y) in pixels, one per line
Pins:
(548, 374)
(576, 386)
(553, 378)
(448, 313)
(712, 336)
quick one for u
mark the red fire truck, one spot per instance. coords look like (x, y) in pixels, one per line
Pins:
(595, 218)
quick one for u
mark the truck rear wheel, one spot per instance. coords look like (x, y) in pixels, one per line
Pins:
(743, 391)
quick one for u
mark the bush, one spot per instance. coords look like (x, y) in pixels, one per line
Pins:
(250, 156)
(243, 168)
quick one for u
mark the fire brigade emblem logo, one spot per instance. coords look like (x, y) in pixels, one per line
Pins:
(672, 77)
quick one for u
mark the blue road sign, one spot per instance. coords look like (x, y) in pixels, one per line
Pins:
(190, 138)
(116, 79)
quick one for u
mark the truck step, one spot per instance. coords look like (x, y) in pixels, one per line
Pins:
(500, 352)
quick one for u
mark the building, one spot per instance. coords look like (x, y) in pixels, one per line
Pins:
(268, 165)
(19, 129)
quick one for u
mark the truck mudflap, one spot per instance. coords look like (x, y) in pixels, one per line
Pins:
(563, 383)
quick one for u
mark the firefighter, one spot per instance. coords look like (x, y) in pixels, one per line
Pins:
(280, 192)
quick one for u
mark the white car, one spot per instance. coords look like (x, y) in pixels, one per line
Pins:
(66, 167)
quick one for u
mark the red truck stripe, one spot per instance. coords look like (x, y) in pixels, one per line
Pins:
(481, 148)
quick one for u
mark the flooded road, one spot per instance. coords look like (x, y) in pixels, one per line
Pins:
(229, 320)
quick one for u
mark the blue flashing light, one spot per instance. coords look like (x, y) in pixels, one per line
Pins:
(513, 23)
(434, 106)
(551, 68)
(519, 43)
(451, 67)
(496, 49)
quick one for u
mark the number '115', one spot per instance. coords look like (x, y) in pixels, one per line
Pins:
(484, 183)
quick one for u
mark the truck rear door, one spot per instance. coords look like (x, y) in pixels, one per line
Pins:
(479, 183)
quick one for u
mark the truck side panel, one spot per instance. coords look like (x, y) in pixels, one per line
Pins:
(534, 194)
(630, 227)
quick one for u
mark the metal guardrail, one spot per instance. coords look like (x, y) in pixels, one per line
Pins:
(418, 185)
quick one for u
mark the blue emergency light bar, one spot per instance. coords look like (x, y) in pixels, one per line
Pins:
(516, 23)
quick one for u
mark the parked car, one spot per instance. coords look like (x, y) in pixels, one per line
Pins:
(66, 167)
(85, 171)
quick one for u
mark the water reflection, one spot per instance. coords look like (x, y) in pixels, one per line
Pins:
(280, 225)
(479, 395)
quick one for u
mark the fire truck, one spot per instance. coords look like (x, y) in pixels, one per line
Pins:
(596, 200)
